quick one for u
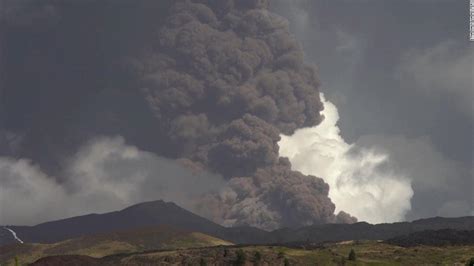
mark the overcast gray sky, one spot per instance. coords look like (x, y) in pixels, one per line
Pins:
(401, 76)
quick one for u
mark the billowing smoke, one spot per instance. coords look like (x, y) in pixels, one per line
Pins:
(105, 175)
(362, 180)
(224, 79)
(428, 140)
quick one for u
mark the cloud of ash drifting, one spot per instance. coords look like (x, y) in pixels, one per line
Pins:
(361, 180)
(104, 175)
(224, 80)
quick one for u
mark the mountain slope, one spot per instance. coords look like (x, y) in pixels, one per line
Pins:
(159, 213)
(440, 238)
(367, 253)
(139, 240)
(366, 231)
(147, 214)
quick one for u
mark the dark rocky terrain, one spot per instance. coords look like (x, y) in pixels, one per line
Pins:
(367, 253)
(146, 214)
(366, 231)
(444, 237)
(106, 244)
(162, 233)
(160, 213)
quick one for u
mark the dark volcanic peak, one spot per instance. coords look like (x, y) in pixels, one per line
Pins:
(168, 213)
(147, 214)
(161, 213)
(141, 215)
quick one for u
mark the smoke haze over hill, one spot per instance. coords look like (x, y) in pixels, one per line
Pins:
(105, 174)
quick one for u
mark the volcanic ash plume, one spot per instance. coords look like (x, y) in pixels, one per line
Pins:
(361, 179)
(224, 79)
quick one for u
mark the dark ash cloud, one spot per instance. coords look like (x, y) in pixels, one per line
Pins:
(210, 84)
(223, 84)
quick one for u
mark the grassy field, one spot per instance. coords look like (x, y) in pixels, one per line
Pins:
(375, 253)
(189, 250)
(109, 244)
(367, 253)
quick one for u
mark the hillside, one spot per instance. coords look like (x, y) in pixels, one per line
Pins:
(367, 253)
(444, 237)
(158, 232)
(101, 245)
(147, 214)
(141, 215)
(366, 231)
(160, 213)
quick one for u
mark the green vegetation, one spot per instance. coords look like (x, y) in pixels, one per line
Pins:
(109, 244)
(470, 262)
(352, 255)
(281, 254)
(343, 261)
(241, 257)
(364, 253)
(257, 258)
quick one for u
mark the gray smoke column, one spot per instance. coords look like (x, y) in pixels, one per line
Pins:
(224, 79)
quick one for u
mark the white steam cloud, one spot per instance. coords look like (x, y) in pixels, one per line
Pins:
(362, 181)
(442, 186)
(105, 175)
